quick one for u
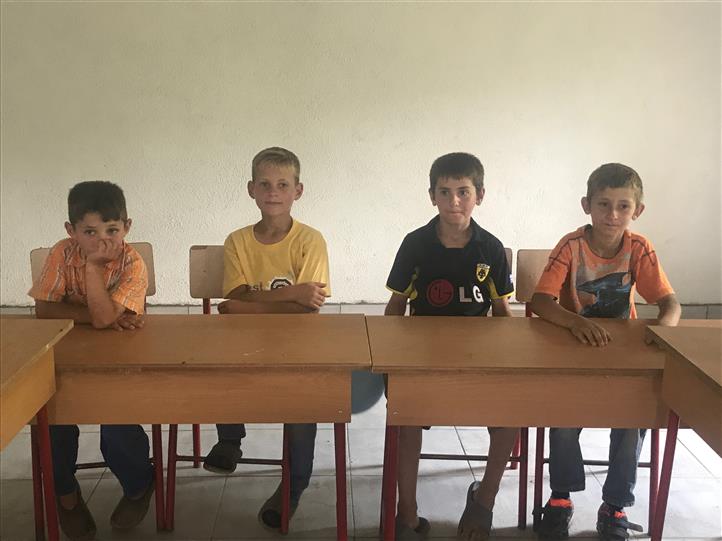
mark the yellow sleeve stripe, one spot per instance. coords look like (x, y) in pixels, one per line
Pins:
(494, 293)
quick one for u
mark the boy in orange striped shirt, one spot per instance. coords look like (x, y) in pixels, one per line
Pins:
(95, 277)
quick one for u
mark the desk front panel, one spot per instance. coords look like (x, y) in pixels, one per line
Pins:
(527, 398)
(177, 396)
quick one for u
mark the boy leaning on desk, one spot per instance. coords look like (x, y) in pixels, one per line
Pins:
(451, 267)
(95, 277)
(277, 265)
(593, 272)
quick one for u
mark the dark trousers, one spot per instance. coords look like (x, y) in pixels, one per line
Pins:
(302, 442)
(125, 450)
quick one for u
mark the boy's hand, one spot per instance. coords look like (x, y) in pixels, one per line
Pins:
(588, 332)
(225, 306)
(129, 321)
(107, 251)
(310, 294)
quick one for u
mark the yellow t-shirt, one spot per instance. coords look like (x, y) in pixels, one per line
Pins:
(299, 258)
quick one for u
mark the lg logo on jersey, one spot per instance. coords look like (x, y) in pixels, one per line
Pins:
(441, 292)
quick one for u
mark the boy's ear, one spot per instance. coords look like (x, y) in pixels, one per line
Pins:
(480, 196)
(299, 191)
(586, 205)
(431, 196)
(70, 229)
(127, 225)
(638, 211)
(249, 186)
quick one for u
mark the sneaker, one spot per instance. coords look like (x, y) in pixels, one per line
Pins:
(406, 533)
(612, 525)
(270, 513)
(77, 523)
(556, 516)
(131, 512)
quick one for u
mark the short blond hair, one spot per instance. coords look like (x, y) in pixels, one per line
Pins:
(615, 175)
(277, 156)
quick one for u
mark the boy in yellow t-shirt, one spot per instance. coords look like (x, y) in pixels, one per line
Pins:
(277, 265)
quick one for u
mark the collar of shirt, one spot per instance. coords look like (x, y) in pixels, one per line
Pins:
(431, 236)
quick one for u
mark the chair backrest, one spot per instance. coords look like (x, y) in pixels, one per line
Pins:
(509, 258)
(529, 267)
(206, 272)
(145, 249)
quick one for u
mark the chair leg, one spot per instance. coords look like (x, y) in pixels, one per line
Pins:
(390, 480)
(523, 453)
(196, 446)
(170, 492)
(46, 465)
(515, 453)
(538, 476)
(158, 472)
(665, 477)
(384, 474)
(285, 483)
(653, 475)
(339, 433)
(38, 509)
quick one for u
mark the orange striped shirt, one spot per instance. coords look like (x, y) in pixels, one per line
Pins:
(63, 277)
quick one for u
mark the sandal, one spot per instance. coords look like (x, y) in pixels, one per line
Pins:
(223, 458)
(475, 521)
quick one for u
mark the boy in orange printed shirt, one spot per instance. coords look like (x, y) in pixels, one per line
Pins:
(95, 277)
(594, 272)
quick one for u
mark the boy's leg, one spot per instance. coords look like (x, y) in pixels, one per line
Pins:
(126, 451)
(477, 517)
(223, 457)
(410, 438)
(566, 464)
(624, 448)
(74, 517)
(500, 446)
(566, 472)
(618, 491)
(301, 445)
(64, 444)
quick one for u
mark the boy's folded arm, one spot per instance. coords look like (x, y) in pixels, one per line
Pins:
(585, 330)
(309, 295)
(104, 312)
(235, 306)
(669, 311)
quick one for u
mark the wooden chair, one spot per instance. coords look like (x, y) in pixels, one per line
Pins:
(518, 459)
(37, 261)
(530, 265)
(206, 282)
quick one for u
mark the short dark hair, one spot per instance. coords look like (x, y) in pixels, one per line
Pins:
(277, 156)
(614, 175)
(99, 196)
(457, 165)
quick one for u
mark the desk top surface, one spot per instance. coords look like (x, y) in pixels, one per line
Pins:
(472, 344)
(222, 341)
(701, 346)
(23, 340)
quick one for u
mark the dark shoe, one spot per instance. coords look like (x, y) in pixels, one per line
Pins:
(77, 523)
(556, 516)
(612, 525)
(406, 533)
(270, 513)
(131, 512)
(476, 519)
(223, 458)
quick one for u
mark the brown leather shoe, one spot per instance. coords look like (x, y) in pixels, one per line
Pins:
(129, 513)
(77, 523)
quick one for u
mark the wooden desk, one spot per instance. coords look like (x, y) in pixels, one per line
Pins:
(692, 388)
(502, 371)
(216, 369)
(27, 374)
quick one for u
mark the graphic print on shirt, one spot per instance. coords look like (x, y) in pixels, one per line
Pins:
(604, 290)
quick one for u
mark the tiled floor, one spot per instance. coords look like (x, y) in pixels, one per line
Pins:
(212, 507)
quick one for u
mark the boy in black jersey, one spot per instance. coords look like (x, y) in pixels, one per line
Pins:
(451, 267)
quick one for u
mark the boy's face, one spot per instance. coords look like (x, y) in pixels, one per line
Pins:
(275, 189)
(91, 231)
(455, 199)
(612, 210)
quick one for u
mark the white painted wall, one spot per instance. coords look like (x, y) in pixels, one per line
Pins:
(172, 100)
